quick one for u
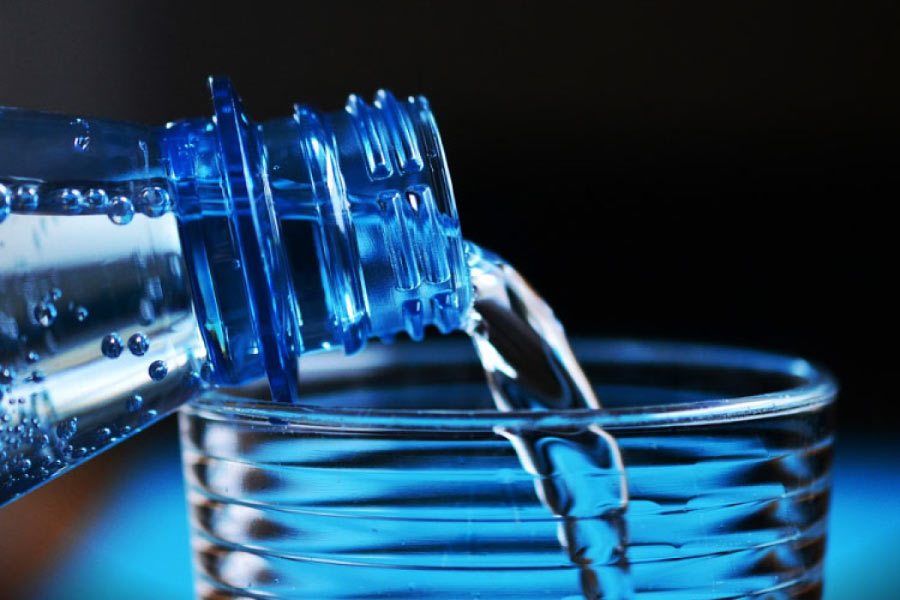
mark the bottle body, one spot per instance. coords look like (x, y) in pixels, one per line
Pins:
(140, 264)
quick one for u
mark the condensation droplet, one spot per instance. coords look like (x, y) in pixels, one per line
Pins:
(138, 344)
(158, 370)
(45, 313)
(121, 211)
(97, 198)
(111, 346)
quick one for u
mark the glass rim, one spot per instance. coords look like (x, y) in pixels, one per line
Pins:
(816, 389)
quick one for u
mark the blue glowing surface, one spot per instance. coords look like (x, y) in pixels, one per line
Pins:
(139, 548)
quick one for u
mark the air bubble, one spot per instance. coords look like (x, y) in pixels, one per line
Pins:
(121, 211)
(97, 198)
(55, 294)
(7, 374)
(32, 356)
(138, 344)
(135, 403)
(147, 312)
(158, 370)
(5, 202)
(150, 414)
(207, 371)
(81, 313)
(45, 313)
(37, 377)
(192, 379)
(111, 346)
(104, 433)
(154, 201)
(71, 200)
(27, 197)
(82, 142)
(67, 429)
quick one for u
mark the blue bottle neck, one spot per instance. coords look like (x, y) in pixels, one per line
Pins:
(314, 231)
(303, 233)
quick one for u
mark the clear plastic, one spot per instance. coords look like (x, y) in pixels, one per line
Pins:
(396, 478)
(138, 264)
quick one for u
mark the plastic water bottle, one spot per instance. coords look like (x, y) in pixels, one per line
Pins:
(139, 264)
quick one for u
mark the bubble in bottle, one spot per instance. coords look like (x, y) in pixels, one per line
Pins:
(45, 313)
(67, 429)
(71, 200)
(97, 198)
(138, 344)
(7, 374)
(81, 313)
(207, 371)
(154, 201)
(32, 356)
(192, 379)
(121, 211)
(158, 370)
(5, 202)
(27, 197)
(135, 403)
(147, 312)
(111, 346)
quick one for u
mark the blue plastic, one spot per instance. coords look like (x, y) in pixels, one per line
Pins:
(247, 245)
(366, 187)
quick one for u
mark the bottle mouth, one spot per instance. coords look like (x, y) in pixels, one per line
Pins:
(392, 184)
(368, 192)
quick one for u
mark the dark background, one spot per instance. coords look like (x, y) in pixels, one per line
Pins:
(720, 172)
(714, 172)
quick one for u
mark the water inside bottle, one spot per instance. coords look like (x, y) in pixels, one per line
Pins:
(97, 333)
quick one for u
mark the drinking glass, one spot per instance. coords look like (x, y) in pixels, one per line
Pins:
(395, 477)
